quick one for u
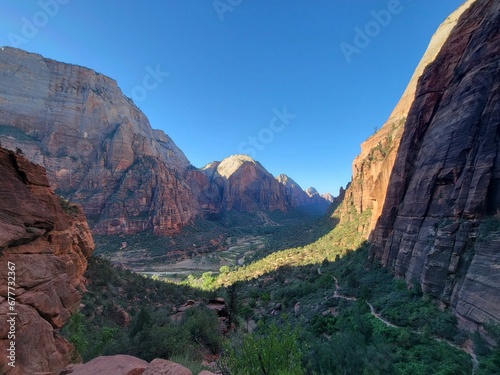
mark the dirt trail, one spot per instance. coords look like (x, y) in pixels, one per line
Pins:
(466, 348)
(336, 294)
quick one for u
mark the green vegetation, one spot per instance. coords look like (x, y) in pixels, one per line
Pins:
(208, 236)
(68, 207)
(149, 248)
(340, 336)
(343, 238)
(489, 357)
(381, 150)
(305, 310)
(114, 294)
(272, 349)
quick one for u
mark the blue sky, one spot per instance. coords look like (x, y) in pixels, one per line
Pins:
(265, 77)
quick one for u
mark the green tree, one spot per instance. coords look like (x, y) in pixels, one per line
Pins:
(142, 321)
(75, 330)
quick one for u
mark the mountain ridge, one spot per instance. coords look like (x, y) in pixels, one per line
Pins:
(100, 151)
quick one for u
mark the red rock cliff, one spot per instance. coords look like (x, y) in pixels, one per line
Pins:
(97, 146)
(48, 246)
(372, 168)
(440, 222)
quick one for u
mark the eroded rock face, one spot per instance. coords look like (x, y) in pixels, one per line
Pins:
(372, 168)
(439, 224)
(48, 246)
(297, 196)
(97, 146)
(320, 201)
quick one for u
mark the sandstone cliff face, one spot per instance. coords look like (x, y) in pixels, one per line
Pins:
(241, 183)
(97, 146)
(49, 248)
(372, 168)
(440, 223)
(245, 185)
(100, 151)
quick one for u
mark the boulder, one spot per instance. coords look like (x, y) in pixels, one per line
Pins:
(164, 367)
(109, 365)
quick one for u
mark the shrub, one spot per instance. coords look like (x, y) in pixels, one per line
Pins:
(203, 327)
(272, 350)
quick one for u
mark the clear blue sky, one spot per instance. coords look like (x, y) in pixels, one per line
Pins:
(232, 69)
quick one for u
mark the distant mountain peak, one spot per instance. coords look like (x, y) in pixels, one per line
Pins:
(311, 191)
(287, 181)
(232, 163)
(211, 165)
(328, 197)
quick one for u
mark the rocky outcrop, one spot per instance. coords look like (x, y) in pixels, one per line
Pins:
(128, 365)
(44, 243)
(97, 146)
(440, 222)
(372, 168)
(309, 198)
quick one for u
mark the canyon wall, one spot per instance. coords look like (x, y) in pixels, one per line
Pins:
(440, 223)
(44, 244)
(372, 168)
(97, 146)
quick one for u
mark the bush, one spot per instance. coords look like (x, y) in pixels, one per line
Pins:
(203, 327)
(272, 350)
(74, 331)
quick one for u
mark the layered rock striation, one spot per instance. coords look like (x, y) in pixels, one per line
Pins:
(97, 146)
(440, 223)
(372, 168)
(44, 243)
(99, 150)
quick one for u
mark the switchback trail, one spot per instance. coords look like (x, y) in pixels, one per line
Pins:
(467, 349)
